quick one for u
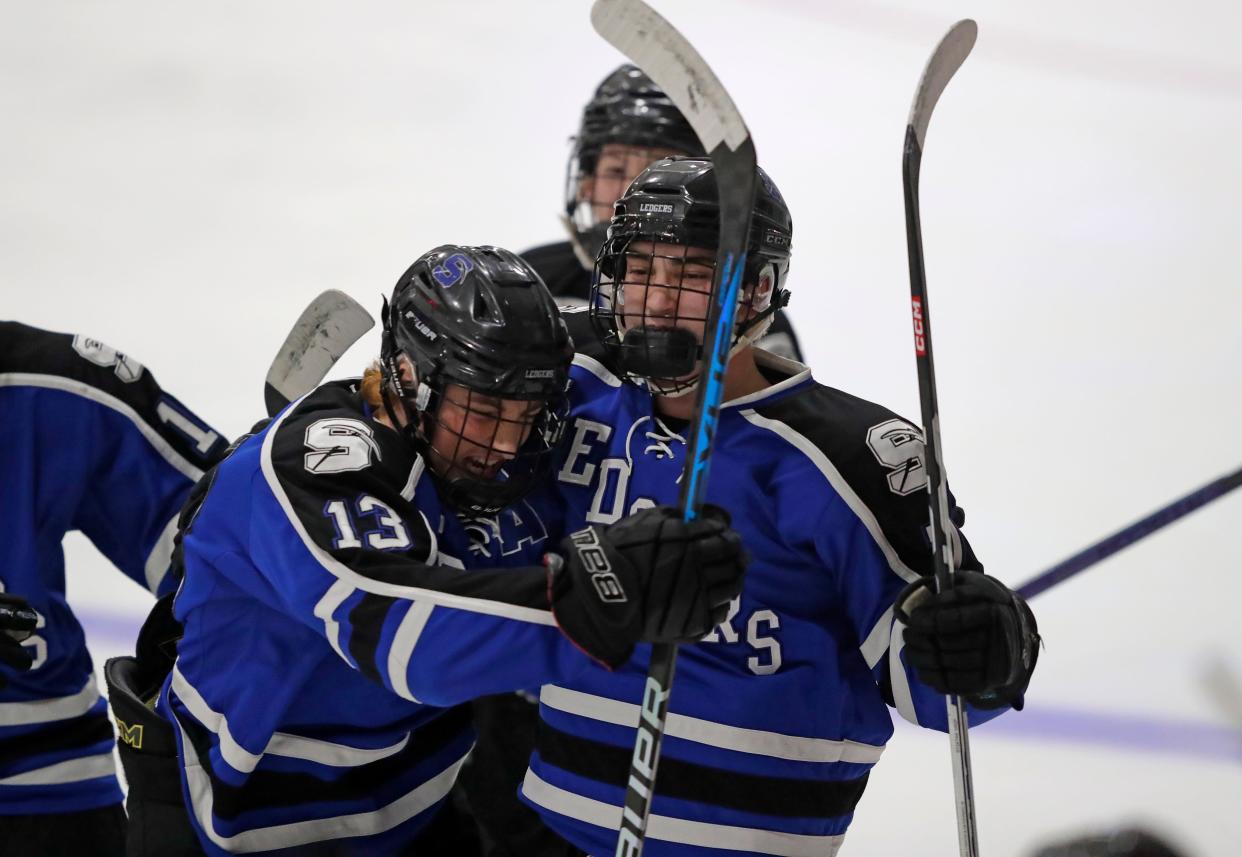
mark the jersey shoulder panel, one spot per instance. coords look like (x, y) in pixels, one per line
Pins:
(328, 437)
(30, 350)
(559, 268)
(96, 372)
(327, 450)
(874, 458)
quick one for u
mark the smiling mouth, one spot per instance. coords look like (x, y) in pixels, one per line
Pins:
(479, 470)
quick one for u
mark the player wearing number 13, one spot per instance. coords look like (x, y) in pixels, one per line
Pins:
(332, 612)
(91, 444)
(777, 716)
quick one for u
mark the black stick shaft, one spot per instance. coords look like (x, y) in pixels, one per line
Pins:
(942, 549)
(928, 400)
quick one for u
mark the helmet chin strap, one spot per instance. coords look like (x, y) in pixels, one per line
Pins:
(750, 332)
(755, 329)
(394, 387)
(584, 255)
(688, 388)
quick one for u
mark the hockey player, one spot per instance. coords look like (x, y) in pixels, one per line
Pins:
(778, 714)
(332, 615)
(628, 123)
(94, 445)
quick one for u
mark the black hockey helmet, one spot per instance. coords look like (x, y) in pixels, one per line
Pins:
(675, 201)
(482, 319)
(627, 108)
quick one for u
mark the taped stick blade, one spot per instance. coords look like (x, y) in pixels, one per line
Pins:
(655, 46)
(325, 330)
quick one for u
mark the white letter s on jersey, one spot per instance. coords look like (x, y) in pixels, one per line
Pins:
(339, 445)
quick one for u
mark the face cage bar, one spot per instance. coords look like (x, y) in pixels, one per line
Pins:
(481, 457)
(662, 290)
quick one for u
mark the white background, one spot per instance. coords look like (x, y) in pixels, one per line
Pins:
(180, 179)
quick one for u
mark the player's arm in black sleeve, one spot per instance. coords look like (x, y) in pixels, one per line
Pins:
(979, 640)
(336, 535)
(875, 536)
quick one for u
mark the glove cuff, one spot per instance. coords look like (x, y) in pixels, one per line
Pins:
(573, 619)
(1028, 642)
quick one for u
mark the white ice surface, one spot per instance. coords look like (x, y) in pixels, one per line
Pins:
(179, 179)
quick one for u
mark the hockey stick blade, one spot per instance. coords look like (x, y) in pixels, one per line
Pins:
(1127, 536)
(325, 330)
(655, 46)
(658, 49)
(945, 61)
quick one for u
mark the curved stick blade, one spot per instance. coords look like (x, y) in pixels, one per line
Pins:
(944, 63)
(325, 330)
(655, 46)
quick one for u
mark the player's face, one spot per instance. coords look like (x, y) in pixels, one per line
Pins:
(475, 434)
(617, 166)
(666, 285)
(669, 285)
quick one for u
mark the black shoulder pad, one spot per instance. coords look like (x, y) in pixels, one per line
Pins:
(586, 340)
(327, 434)
(559, 268)
(89, 368)
(880, 455)
(326, 450)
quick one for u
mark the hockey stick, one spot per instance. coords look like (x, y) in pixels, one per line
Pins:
(945, 61)
(1123, 538)
(657, 48)
(325, 330)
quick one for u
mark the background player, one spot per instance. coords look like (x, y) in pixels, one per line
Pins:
(92, 444)
(778, 715)
(628, 123)
(329, 617)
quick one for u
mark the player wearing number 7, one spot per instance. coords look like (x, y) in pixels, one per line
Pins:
(778, 715)
(91, 444)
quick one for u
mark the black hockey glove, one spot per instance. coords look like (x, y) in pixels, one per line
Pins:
(17, 622)
(648, 577)
(978, 640)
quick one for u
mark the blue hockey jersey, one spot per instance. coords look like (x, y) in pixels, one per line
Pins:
(92, 444)
(334, 613)
(778, 715)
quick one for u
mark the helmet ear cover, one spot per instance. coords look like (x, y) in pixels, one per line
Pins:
(771, 297)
